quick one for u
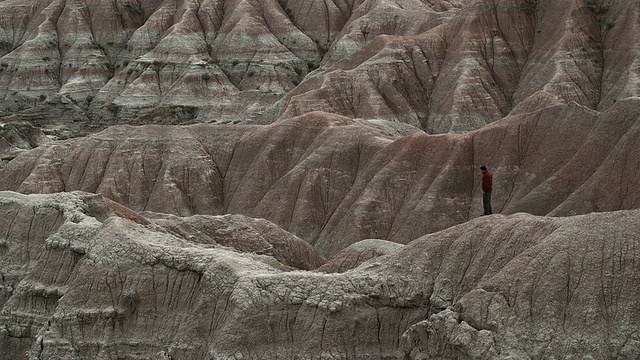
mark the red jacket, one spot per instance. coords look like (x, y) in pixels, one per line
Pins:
(487, 182)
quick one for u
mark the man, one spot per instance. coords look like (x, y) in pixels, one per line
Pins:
(487, 187)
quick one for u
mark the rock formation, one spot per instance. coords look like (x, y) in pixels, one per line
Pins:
(488, 59)
(17, 138)
(356, 254)
(242, 179)
(213, 60)
(74, 286)
(443, 66)
(244, 234)
(333, 181)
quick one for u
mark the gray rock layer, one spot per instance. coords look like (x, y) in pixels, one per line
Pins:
(356, 254)
(244, 234)
(500, 287)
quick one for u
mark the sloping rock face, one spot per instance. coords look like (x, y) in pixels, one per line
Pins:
(17, 138)
(564, 276)
(333, 181)
(245, 234)
(356, 254)
(489, 59)
(499, 287)
(443, 66)
(208, 60)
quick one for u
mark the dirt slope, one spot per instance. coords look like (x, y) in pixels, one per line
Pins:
(500, 287)
(333, 181)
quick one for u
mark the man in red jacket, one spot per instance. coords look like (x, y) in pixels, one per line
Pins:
(487, 187)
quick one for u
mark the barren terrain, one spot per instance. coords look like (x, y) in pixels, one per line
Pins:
(262, 179)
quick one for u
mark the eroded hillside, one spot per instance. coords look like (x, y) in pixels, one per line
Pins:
(244, 179)
(91, 284)
(443, 66)
(334, 181)
(212, 60)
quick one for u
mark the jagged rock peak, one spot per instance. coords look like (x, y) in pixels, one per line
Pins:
(356, 254)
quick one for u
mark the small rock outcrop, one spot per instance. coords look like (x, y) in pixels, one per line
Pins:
(356, 254)
(19, 137)
(244, 234)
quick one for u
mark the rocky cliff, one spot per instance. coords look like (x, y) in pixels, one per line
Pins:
(519, 286)
(244, 179)
(443, 66)
(334, 181)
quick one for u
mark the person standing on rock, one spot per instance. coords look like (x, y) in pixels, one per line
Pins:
(487, 187)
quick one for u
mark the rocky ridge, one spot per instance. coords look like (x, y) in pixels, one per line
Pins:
(498, 287)
(333, 181)
(443, 66)
(208, 60)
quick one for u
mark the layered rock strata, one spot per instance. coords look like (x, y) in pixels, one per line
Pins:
(221, 60)
(499, 287)
(333, 181)
(443, 66)
(489, 59)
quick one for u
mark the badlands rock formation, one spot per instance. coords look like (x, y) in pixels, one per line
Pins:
(61, 225)
(244, 234)
(443, 66)
(213, 60)
(300, 179)
(490, 58)
(17, 138)
(356, 254)
(333, 181)
(519, 286)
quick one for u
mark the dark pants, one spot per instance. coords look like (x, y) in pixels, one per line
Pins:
(486, 201)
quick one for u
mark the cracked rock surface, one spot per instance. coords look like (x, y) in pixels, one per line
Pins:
(518, 286)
